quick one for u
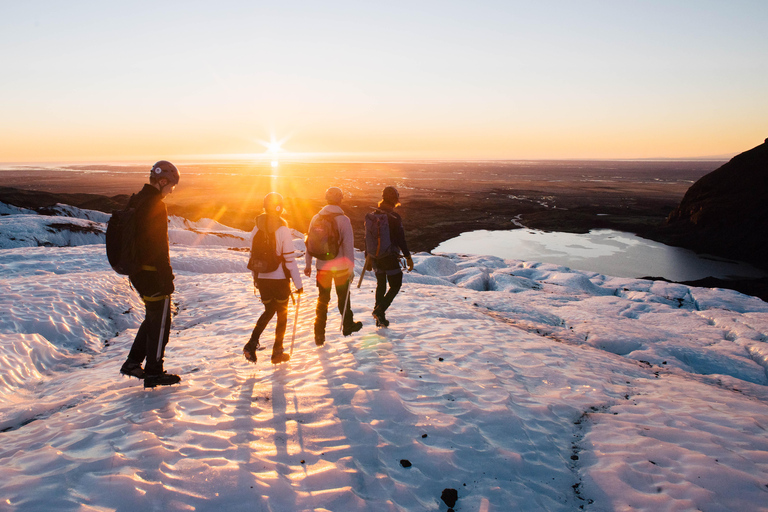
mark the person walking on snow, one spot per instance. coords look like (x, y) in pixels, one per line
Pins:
(274, 287)
(154, 280)
(338, 270)
(388, 269)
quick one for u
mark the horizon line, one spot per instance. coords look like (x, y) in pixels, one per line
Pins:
(327, 158)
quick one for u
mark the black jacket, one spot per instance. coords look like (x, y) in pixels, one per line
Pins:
(396, 231)
(152, 243)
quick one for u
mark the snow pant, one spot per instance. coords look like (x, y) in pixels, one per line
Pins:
(274, 295)
(153, 334)
(385, 297)
(325, 280)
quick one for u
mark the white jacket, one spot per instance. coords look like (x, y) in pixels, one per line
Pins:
(345, 259)
(284, 247)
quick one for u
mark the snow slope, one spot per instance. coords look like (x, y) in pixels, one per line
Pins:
(523, 386)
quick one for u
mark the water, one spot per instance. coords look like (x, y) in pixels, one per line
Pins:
(605, 251)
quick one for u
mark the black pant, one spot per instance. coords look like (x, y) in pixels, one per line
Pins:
(385, 297)
(325, 280)
(153, 335)
(274, 294)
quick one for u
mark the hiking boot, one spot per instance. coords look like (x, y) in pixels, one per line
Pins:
(320, 329)
(132, 369)
(280, 358)
(381, 320)
(249, 352)
(250, 355)
(353, 327)
(160, 379)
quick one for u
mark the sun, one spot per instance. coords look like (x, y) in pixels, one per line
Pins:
(274, 146)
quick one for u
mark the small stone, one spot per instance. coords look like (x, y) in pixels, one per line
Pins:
(405, 463)
(449, 497)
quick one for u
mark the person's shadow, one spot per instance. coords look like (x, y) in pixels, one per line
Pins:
(276, 487)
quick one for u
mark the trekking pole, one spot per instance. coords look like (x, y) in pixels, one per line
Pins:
(295, 321)
(362, 274)
(346, 304)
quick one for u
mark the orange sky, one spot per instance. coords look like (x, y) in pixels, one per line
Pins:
(436, 80)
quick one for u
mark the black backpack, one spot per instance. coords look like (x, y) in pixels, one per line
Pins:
(122, 251)
(323, 239)
(264, 258)
(378, 242)
(379, 245)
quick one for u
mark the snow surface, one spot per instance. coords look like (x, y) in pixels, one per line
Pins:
(523, 386)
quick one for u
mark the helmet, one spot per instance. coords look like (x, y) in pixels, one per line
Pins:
(165, 170)
(334, 195)
(391, 195)
(273, 203)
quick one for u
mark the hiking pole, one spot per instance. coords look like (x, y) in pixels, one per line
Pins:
(362, 274)
(295, 321)
(346, 303)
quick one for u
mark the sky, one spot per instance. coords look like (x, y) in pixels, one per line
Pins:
(112, 81)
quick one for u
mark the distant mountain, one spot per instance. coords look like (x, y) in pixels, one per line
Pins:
(725, 213)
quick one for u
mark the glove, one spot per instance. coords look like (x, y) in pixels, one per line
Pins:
(167, 287)
(409, 261)
(368, 264)
(300, 290)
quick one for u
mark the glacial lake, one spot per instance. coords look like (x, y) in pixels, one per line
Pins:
(604, 251)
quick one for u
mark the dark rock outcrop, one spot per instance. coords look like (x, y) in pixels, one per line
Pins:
(36, 200)
(725, 213)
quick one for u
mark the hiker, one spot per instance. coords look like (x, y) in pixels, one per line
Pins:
(331, 241)
(154, 279)
(385, 261)
(273, 283)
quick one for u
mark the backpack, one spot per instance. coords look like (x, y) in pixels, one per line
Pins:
(378, 243)
(264, 258)
(323, 239)
(122, 251)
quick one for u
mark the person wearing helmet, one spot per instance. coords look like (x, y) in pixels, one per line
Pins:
(336, 268)
(154, 281)
(388, 271)
(274, 287)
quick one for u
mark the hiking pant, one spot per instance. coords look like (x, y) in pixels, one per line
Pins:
(325, 280)
(274, 294)
(153, 334)
(385, 297)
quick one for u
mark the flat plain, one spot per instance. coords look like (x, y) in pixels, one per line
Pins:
(440, 200)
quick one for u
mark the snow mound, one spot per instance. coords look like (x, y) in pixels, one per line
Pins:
(9, 209)
(65, 210)
(438, 266)
(576, 282)
(213, 260)
(44, 230)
